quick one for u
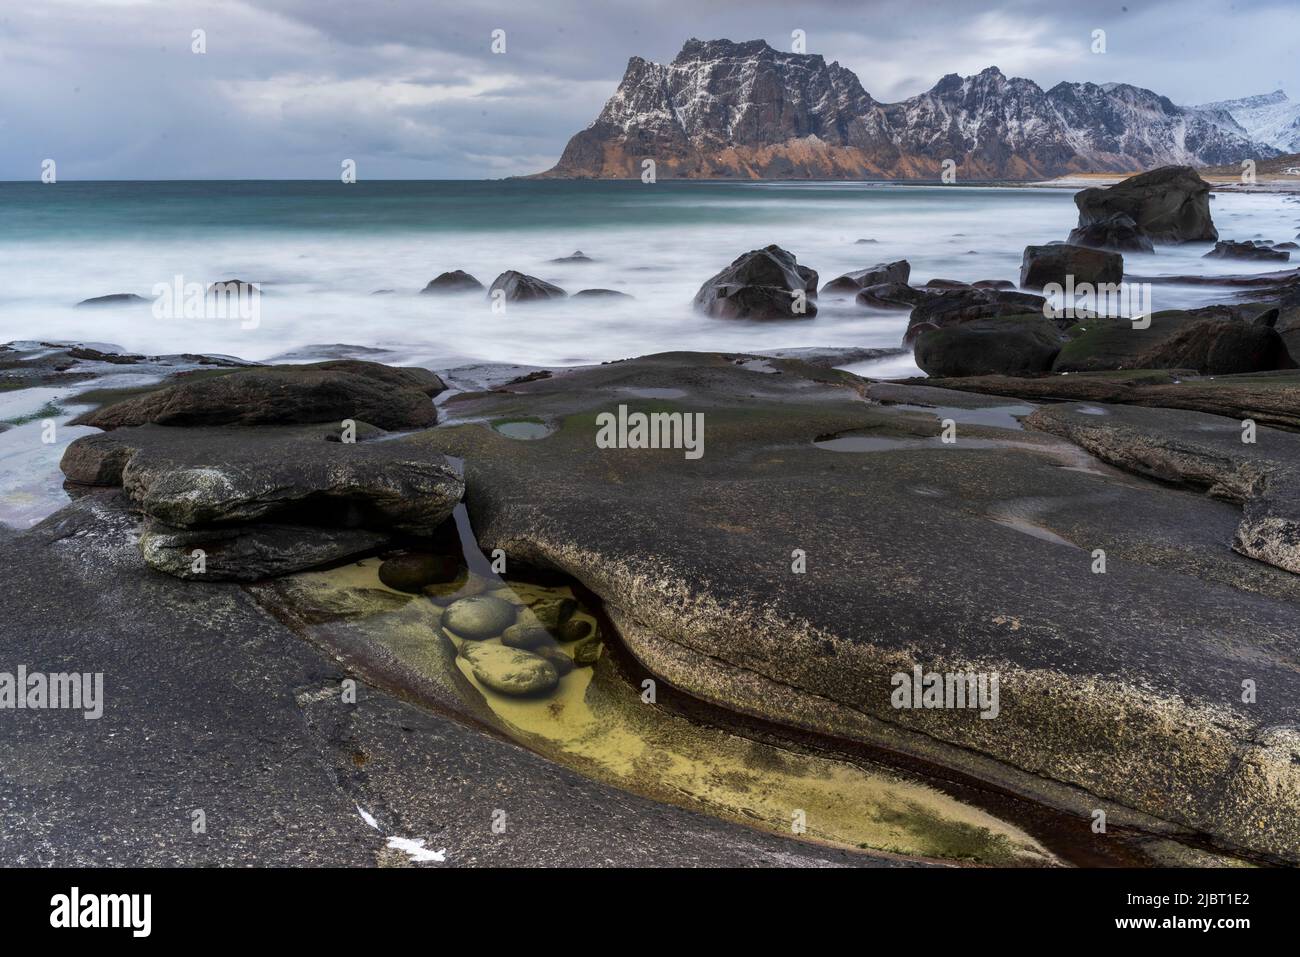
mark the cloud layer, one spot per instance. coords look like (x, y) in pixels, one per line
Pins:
(111, 89)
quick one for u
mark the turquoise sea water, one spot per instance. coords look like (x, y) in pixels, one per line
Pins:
(321, 249)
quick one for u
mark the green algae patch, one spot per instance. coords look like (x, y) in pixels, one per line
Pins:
(523, 429)
(593, 720)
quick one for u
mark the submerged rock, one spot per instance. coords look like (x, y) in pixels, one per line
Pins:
(412, 571)
(1227, 249)
(1169, 205)
(600, 294)
(510, 671)
(763, 283)
(895, 272)
(113, 299)
(526, 635)
(551, 613)
(890, 295)
(455, 281)
(575, 629)
(478, 618)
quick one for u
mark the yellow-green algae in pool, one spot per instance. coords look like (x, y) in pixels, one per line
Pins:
(598, 724)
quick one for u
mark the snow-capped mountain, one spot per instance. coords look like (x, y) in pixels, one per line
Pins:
(722, 109)
(1269, 118)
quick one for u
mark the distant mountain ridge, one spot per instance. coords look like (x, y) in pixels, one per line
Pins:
(746, 110)
(1269, 118)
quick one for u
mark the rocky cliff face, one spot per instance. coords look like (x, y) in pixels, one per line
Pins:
(744, 110)
(1270, 118)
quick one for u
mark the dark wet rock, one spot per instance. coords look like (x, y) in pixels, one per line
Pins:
(510, 671)
(383, 292)
(478, 618)
(890, 295)
(518, 287)
(947, 284)
(197, 477)
(1058, 263)
(994, 284)
(577, 256)
(1221, 347)
(600, 294)
(865, 242)
(1145, 661)
(94, 355)
(764, 283)
(1211, 341)
(552, 613)
(954, 306)
(1286, 245)
(897, 271)
(528, 635)
(1117, 231)
(384, 396)
(113, 299)
(1169, 205)
(587, 653)
(1006, 345)
(412, 571)
(575, 629)
(250, 552)
(455, 281)
(562, 663)
(1226, 249)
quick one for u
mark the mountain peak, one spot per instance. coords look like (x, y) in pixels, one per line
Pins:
(744, 109)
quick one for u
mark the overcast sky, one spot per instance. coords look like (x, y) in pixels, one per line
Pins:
(111, 89)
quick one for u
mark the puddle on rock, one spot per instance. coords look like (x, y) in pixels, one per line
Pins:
(524, 429)
(994, 416)
(587, 715)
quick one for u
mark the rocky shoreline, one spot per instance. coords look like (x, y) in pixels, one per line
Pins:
(1097, 511)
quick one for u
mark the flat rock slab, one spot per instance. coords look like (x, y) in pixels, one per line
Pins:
(1258, 468)
(212, 705)
(385, 396)
(977, 556)
(199, 477)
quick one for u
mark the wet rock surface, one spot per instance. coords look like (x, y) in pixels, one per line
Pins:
(212, 703)
(384, 396)
(1062, 263)
(520, 287)
(1170, 205)
(980, 556)
(764, 283)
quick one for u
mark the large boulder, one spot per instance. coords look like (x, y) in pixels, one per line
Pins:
(764, 283)
(1169, 205)
(898, 271)
(1117, 231)
(1007, 345)
(387, 397)
(1221, 347)
(950, 307)
(1057, 263)
(519, 287)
